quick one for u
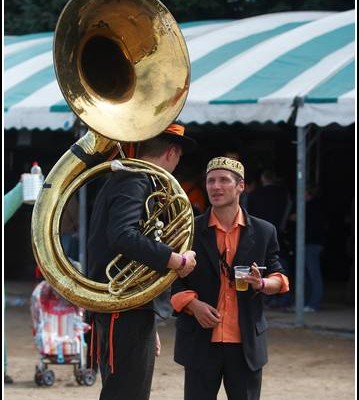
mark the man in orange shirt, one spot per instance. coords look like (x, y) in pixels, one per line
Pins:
(221, 332)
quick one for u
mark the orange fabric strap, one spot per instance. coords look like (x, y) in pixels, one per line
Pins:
(98, 348)
(91, 341)
(113, 317)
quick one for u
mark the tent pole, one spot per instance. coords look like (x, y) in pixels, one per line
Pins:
(300, 226)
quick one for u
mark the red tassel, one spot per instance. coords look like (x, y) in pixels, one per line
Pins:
(91, 342)
(113, 317)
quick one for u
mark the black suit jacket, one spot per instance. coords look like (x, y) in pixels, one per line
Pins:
(115, 226)
(258, 242)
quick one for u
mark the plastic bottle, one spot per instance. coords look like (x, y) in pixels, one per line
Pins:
(35, 169)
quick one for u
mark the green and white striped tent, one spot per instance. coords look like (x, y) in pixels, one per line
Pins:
(265, 68)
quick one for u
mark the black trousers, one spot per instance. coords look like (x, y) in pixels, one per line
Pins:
(133, 343)
(225, 362)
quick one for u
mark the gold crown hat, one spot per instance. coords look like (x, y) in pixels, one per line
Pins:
(226, 163)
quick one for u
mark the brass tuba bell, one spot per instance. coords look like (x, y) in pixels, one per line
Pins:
(123, 67)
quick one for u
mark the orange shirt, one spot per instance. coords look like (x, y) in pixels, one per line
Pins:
(227, 241)
(228, 329)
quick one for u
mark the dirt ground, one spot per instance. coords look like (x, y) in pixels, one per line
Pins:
(302, 365)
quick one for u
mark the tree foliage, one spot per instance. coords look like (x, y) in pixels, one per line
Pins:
(192, 10)
(29, 16)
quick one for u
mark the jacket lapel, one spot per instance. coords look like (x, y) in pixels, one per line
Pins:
(207, 237)
(246, 241)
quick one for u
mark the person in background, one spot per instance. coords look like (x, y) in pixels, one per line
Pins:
(221, 332)
(70, 228)
(128, 339)
(314, 238)
(272, 202)
(197, 197)
(249, 186)
(12, 202)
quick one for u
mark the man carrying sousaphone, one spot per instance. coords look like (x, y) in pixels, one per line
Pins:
(127, 340)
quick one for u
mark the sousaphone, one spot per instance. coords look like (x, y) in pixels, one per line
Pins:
(123, 68)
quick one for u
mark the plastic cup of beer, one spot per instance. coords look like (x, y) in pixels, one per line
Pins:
(240, 272)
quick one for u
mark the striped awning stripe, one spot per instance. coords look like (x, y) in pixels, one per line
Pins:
(255, 69)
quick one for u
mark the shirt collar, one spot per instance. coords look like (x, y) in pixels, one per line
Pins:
(238, 219)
